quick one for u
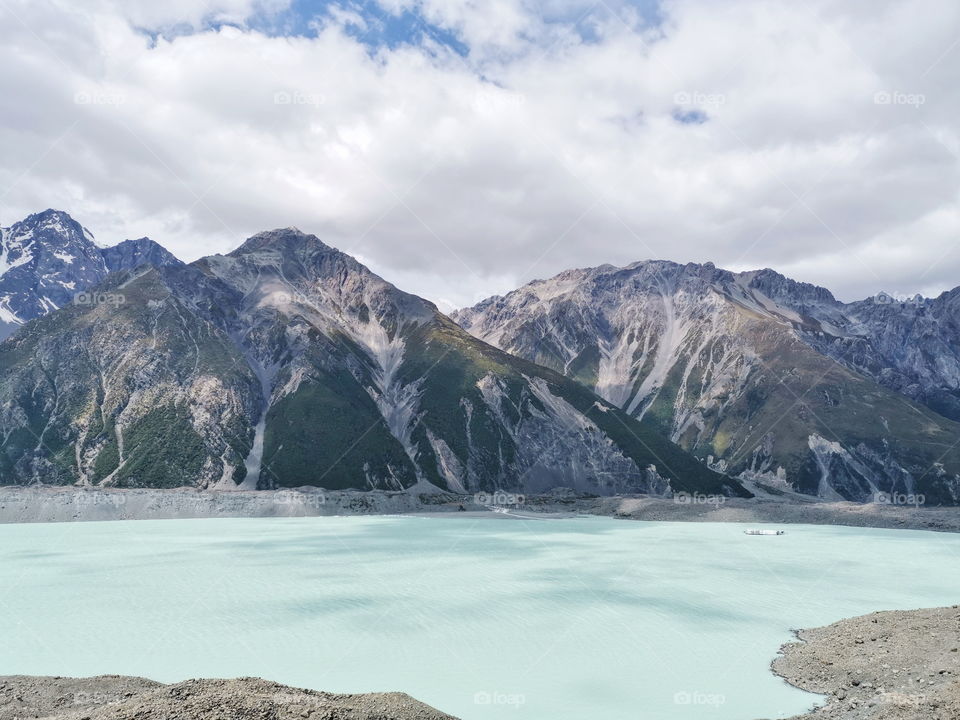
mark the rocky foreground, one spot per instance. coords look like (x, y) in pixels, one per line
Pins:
(901, 665)
(112, 697)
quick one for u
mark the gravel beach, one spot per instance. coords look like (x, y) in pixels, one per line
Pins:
(112, 697)
(900, 665)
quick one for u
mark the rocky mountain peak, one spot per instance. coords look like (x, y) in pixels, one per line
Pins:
(133, 253)
(288, 241)
(789, 292)
(57, 221)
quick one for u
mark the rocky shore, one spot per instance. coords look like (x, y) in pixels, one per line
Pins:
(901, 665)
(113, 697)
(64, 504)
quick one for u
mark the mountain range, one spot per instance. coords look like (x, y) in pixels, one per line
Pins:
(287, 363)
(761, 377)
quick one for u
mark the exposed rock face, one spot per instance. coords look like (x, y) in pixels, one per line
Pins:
(910, 346)
(49, 259)
(112, 697)
(758, 375)
(130, 254)
(884, 666)
(288, 363)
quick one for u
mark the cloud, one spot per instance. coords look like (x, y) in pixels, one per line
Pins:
(159, 16)
(815, 138)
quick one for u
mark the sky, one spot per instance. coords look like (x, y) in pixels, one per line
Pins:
(463, 148)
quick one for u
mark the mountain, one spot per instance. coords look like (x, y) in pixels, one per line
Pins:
(765, 378)
(130, 254)
(288, 363)
(911, 346)
(47, 259)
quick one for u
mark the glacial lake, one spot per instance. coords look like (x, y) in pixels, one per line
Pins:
(481, 618)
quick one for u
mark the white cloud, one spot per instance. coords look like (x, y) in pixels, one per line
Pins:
(158, 16)
(829, 151)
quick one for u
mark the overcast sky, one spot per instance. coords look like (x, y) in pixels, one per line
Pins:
(463, 147)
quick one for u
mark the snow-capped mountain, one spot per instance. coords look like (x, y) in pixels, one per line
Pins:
(48, 259)
(761, 376)
(288, 363)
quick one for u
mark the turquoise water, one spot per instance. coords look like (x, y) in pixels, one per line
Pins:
(482, 618)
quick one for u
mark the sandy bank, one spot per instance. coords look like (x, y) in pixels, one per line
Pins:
(902, 665)
(120, 698)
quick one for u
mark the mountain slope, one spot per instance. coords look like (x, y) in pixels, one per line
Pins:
(48, 259)
(733, 368)
(288, 363)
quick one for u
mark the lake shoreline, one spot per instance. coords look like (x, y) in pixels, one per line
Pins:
(896, 665)
(72, 504)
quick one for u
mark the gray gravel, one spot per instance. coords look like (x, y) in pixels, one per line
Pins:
(113, 697)
(901, 665)
(791, 511)
(66, 504)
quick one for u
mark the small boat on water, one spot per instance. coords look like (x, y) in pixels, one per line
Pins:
(763, 532)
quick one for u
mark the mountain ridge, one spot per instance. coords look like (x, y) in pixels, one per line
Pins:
(711, 355)
(768, 378)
